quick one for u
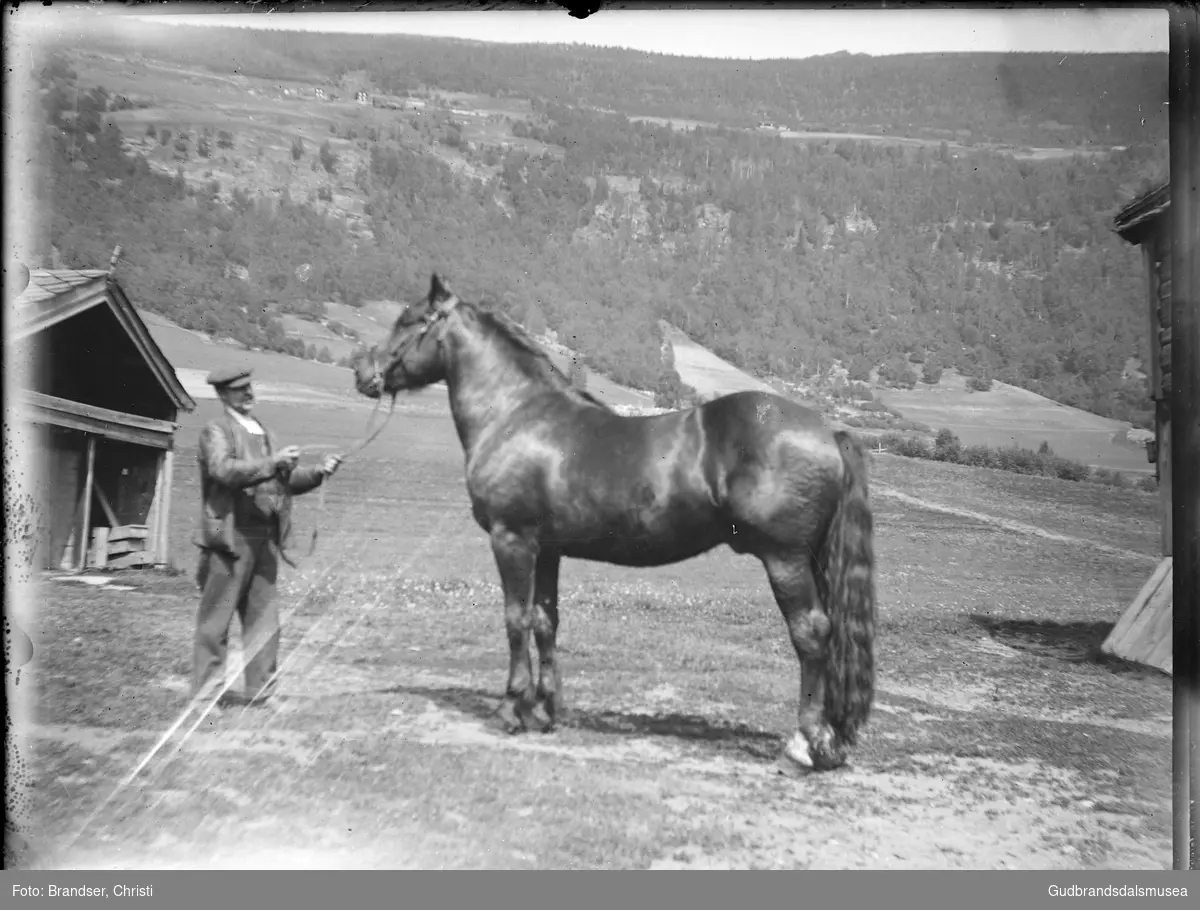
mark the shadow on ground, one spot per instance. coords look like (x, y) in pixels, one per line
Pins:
(691, 728)
(1072, 642)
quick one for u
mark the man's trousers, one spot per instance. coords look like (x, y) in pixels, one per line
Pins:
(246, 586)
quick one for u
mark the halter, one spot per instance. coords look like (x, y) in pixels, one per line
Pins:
(439, 313)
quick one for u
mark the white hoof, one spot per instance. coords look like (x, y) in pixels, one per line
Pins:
(797, 752)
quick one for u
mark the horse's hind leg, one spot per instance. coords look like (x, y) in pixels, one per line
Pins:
(516, 557)
(545, 632)
(795, 589)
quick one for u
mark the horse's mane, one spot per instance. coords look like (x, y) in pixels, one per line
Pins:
(532, 356)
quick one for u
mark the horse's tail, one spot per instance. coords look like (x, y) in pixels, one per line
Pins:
(848, 564)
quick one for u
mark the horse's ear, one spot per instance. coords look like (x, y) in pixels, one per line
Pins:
(438, 290)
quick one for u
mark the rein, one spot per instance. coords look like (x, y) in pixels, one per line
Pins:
(358, 447)
(429, 322)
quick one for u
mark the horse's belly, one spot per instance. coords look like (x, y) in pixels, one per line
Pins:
(625, 551)
(644, 537)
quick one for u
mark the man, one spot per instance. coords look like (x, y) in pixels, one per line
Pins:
(246, 487)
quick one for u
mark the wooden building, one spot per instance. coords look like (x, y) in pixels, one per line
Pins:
(1145, 222)
(1144, 634)
(102, 401)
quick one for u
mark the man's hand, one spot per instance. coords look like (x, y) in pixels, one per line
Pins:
(287, 457)
(331, 464)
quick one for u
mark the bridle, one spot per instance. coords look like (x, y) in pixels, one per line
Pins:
(439, 313)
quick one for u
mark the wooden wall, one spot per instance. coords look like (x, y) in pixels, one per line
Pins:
(62, 458)
(130, 488)
(1156, 249)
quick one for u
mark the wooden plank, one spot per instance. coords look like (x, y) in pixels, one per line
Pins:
(129, 532)
(1151, 264)
(100, 547)
(85, 524)
(1160, 643)
(79, 409)
(1122, 640)
(1154, 625)
(1165, 484)
(130, 560)
(115, 431)
(164, 527)
(104, 504)
(1127, 644)
(121, 547)
(65, 305)
(68, 550)
(155, 514)
(88, 418)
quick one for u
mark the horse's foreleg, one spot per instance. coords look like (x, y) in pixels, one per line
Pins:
(545, 632)
(813, 747)
(516, 557)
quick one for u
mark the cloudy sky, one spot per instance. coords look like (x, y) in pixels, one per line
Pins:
(748, 33)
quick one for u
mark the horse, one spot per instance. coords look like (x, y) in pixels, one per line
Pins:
(554, 473)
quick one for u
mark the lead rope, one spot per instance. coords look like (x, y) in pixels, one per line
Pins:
(367, 440)
(312, 546)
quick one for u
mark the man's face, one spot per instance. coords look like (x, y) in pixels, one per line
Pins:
(240, 399)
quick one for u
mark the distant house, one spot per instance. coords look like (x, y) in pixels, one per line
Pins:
(102, 400)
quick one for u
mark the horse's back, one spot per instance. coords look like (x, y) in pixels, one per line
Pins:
(753, 421)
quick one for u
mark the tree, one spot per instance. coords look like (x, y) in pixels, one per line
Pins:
(932, 371)
(328, 158)
(946, 446)
(860, 368)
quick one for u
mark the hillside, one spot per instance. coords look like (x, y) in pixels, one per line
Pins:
(1015, 100)
(251, 207)
(1004, 416)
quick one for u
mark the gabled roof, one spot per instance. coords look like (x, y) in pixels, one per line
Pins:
(55, 295)
(1132, 220)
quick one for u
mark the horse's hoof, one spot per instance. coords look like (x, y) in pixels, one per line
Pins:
(510, 722)
(826, 754)
(796, 760)
(541, 719)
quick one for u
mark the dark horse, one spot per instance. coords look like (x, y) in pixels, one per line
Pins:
(552, 472)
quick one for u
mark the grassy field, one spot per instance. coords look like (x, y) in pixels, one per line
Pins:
(1007, 416)
(998, 739)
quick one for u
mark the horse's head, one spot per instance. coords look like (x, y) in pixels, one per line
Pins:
(412, 355)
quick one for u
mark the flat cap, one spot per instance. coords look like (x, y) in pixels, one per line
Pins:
(229, 378)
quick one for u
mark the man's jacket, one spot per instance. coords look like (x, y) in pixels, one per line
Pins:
(241, 489)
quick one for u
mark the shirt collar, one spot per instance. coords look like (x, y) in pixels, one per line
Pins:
(249, 423)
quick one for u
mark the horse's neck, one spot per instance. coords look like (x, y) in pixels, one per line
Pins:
(484, 383)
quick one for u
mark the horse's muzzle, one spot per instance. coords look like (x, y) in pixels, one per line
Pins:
(367, 378)
(372, 387)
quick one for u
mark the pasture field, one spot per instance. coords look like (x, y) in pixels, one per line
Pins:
(1006, 416)
(997, 740)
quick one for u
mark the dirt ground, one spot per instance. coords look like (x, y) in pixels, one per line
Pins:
(998, 739)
